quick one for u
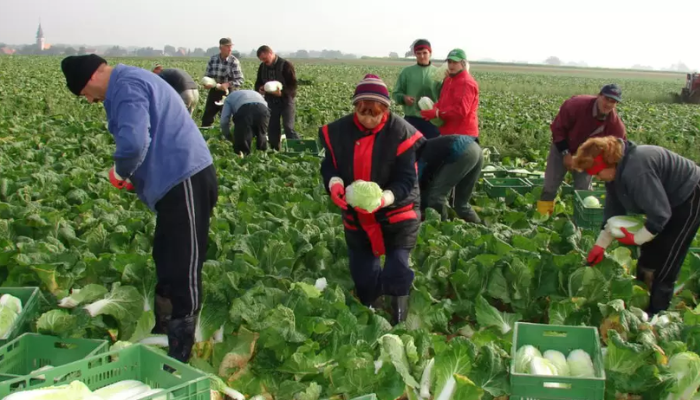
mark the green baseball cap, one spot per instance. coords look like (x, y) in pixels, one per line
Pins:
(457, 55)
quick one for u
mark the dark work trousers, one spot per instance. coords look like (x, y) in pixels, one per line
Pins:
(371, 281)
(181, 238)
(211, 109)
(251, 120)
(428, 130)
(664, 255)
(281, 108)
(457, 179)
(554, 175)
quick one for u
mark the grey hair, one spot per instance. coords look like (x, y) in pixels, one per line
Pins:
(465, 64)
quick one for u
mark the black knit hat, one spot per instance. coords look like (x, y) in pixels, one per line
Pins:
(421, 44)
(79, 69)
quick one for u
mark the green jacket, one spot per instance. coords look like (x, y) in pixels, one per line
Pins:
(416, 81)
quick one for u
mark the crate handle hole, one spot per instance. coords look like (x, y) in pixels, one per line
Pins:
(554, 334)
(64, 345)
(556, 385)
(167, 368)
(18, 386)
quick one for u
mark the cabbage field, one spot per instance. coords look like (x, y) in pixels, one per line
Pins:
(279, 319)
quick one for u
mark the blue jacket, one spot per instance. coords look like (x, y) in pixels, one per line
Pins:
(158, 143)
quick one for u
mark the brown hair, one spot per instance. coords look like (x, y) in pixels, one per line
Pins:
(263, 49)
(609, 146)
(373, 108)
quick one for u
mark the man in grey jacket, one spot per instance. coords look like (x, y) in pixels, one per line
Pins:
(659, 184)
(183, 84)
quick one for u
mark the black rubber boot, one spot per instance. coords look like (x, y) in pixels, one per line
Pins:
(378, 304)
(472, 217)
(163, 309)
(181, 338)
(399, 309)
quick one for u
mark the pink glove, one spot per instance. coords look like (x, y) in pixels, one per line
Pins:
(596, 255)
(429, 114)
(338, 196)
(118, 182)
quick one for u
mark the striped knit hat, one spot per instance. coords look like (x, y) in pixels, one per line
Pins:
(372, 88)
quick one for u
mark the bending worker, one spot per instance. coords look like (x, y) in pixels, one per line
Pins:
(579, 118)
(447, 162)
(373, 144)
(250, 115)
(659, 184)
(161, 155)
(183, 84)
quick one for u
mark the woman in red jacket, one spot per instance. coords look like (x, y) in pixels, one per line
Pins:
(459, 99)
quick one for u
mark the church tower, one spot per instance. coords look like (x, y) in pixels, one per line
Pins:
(40, 38)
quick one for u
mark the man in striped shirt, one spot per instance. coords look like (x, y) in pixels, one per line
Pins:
(226, 70)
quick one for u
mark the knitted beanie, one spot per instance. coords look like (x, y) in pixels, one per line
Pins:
(79, 69)
(372, 88)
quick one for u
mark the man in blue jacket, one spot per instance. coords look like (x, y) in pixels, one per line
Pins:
(160, 154)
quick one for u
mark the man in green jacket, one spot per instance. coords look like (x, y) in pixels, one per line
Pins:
(415, 82)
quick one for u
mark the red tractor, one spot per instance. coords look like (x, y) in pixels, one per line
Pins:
(691, 91)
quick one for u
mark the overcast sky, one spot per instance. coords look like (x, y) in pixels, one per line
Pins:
(609, 33)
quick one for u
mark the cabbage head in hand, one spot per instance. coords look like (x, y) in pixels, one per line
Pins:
(364, 195)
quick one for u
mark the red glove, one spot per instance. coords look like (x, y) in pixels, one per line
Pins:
(596, 255)
(118, 182)
(338, 196)
(429, 114)
(628, 239)
(363, 211)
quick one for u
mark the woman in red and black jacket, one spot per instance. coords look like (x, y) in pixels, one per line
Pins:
(373, 144)
(458, 104)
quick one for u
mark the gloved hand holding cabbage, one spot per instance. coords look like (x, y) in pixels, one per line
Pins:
(367, 197)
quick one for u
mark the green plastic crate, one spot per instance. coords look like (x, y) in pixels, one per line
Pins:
(566, 189)
(498, 187)
(30, 304)
(500, 172)
(492, 156)
(301, 145)
(539, 182)
(31, 351)
(588, 218)
(517, 174)
(563, 339)
(597, 185)
(134, 362)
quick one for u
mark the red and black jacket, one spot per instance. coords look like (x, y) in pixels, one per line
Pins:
(385, 155)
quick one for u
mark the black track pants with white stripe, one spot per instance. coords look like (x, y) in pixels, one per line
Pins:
(181, 238)
(667, 251)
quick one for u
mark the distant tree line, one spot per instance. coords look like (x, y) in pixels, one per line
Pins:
(168, 51)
